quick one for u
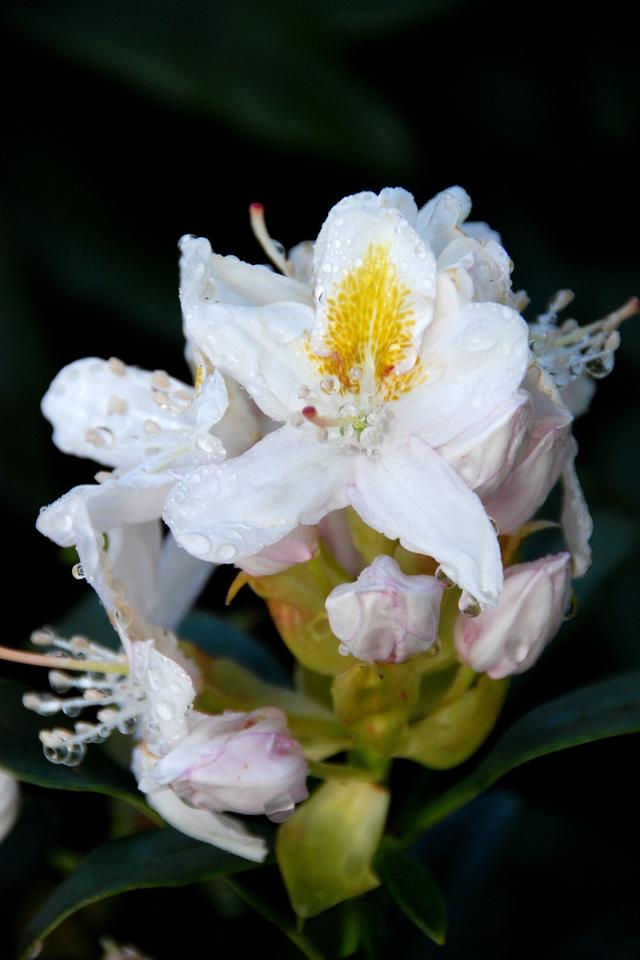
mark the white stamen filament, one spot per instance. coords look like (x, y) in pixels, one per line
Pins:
(270, 247)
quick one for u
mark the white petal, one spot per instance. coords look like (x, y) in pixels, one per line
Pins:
(235, 509)
(576, 519)
(214, 828)
(473, 360)
(263, 348)
(98, 409)
(240, 427)
(9, 803)
(439, 219)
(353, 226)
(81, 517)
(411, 493)
(533, 477)
(485, 453)
(181, 579)
(206, 277)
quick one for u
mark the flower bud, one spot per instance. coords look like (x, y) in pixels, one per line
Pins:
(509, 637)
(238, 762)
(385, 615)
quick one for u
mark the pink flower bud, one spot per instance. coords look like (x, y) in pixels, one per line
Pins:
(385, 615)
(509, 637)
(237, 762)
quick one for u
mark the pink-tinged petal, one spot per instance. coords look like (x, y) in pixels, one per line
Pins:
(473, 360)
(207, 277)
(353, 230)
(534, 476)
(385, 616)
(233, 510)
(412, 493)
(263, 348)
(485, 454)
(576, 519)
(510, 637)
(335, 531)
(297, 547)
(220, 831)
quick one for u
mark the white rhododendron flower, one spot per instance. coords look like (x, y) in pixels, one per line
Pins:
(372, 372)
(9, 803)
(510, 637)
(385, 616)
(240, 762)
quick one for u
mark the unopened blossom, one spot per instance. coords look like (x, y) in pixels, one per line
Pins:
(371, 371)
(9, 803)
(239, 762)
(385, 616)
(510, 637)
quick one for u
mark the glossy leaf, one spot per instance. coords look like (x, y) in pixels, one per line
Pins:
(157, 858)
(609, 708)
(414, 889)
(21, 755)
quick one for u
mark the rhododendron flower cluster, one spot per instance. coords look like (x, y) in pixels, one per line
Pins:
(371, 431)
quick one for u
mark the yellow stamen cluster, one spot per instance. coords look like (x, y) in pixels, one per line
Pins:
(369, 327)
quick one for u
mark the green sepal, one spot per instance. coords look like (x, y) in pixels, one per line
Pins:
(326, 848)
(296, 601)
(459, 725)
(374, 701)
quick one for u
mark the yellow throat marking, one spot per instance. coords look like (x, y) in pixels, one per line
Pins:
(369, 326)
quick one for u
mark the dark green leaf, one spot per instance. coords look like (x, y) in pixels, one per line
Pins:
(414, 889)
(157, 858)
(609, 708)
(225, 61)
(220, 637)
(21, 755)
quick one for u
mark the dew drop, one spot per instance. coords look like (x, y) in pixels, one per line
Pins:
(226, 552)
(77, 572)
(196, 543)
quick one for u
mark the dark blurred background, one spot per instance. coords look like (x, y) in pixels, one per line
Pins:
(127, 124)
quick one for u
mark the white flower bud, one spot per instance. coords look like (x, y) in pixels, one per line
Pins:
(237, 762)
(509, 637)
(385, 616)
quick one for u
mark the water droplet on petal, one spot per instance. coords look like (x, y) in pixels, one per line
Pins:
(226, 552)
(196, 543)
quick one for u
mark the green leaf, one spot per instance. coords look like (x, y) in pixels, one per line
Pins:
(414, 889)
(220, 637)
(156, 858)
(609, 708)
(21, 755)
